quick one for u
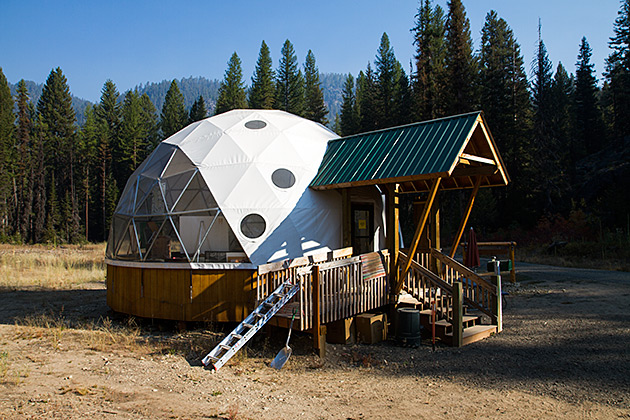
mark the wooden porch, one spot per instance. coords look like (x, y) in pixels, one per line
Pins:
(339, 286)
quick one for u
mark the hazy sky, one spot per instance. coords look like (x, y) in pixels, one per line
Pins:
(134, 42)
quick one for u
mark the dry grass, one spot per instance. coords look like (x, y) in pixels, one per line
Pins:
(46, 267)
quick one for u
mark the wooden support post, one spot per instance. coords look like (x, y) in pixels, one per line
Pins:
(393, 235)
(497, 308)
(458, 313)
(319, 330)
(346, 218)
(419, 229)
(513, 270)
(462, 225)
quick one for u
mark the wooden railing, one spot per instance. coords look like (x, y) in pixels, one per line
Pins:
(426, 286)
(343, 291)
(434, 274)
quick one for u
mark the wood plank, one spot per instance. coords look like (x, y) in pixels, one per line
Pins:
(478, 159)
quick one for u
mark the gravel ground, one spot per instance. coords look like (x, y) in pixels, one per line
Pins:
(564, 353)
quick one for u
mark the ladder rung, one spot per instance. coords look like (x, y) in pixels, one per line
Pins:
(269, 304)
(237, 336)
(224, 347)
(258, 314)
(246, 325)
(214, 359)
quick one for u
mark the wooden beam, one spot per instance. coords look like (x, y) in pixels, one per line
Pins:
(420, 228)
(393, 234)
(462, 225)
(478, 159)
(319, 332)
(475, 171)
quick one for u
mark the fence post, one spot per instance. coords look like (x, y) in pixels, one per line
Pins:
(319, 330)
(458, 309)
(497, 309)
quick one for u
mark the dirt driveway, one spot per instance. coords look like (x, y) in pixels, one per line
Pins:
(564, 353)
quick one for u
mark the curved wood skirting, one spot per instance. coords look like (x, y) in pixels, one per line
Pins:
(181, 294)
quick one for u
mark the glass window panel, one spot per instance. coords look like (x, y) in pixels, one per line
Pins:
(158, 160)
(253, 226)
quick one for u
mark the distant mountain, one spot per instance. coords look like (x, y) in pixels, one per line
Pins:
(191, 88)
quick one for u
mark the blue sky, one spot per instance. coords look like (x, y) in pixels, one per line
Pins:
(134, 42)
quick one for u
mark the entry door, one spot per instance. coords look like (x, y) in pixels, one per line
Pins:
(362, 228)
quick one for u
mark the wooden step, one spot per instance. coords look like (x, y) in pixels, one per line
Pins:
(473, 334)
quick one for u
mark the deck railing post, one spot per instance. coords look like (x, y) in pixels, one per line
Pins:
(458, 313)
(319, 331)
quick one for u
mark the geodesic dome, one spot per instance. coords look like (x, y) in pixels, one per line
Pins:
(230, 188)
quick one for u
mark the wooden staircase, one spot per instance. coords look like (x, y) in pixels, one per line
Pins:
(472, 330)
(453, 292)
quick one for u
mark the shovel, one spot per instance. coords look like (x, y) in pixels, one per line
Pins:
(284, 354)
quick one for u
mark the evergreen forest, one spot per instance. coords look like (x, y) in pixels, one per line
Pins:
(563, 134)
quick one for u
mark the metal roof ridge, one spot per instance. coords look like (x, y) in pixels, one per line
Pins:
(406, 125)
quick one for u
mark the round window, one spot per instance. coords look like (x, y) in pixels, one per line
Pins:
(253, 225)
(255, 124)
(283, 178)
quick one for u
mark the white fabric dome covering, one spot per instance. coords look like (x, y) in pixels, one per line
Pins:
(236, 182)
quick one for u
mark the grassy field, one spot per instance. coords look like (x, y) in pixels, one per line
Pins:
(46, 267)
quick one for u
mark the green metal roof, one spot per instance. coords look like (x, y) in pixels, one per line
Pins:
(417, 149)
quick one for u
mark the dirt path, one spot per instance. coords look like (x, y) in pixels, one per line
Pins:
(564, 353)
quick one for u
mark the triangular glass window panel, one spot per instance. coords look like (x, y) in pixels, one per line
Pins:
(178, 164)
(197, 196)
(175, 185)
(158, 160)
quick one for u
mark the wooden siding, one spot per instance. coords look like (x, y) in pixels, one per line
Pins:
(181, 294)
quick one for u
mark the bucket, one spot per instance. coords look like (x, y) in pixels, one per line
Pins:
(408, 327)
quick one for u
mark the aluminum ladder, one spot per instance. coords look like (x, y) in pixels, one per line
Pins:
(250, 326)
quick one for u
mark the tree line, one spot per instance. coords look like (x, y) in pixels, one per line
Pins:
(60, 182)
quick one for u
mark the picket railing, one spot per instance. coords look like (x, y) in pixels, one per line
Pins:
(344, 291)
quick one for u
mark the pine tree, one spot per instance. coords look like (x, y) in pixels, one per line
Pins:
(385, 65)
(6, 154)
(87, 147)
(262, 92)
(504, 97)
(174, 116)
(429, 80)
(198, 110)
(460, 63)
(402, 112)
(289, 82)
(232, 91)
(39, 182)
(314, 106)
(150, 122)
(58, 119)
(366, 100)
(561, 123)
(618, 71)
(24, 174)
(349, 119)
(133, 138)
(546, 172)
(589, 132)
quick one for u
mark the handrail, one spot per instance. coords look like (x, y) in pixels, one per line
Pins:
(460, 268)
(427, 273)
(478, 292)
